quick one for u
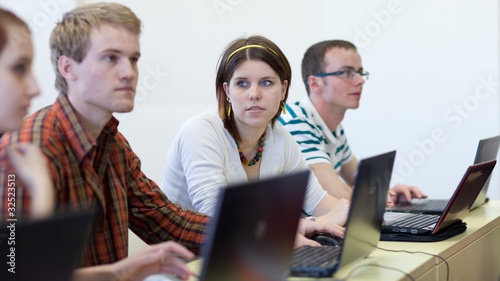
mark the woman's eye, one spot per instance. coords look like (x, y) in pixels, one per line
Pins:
(241, 83)
(20, 69)
(266, 83)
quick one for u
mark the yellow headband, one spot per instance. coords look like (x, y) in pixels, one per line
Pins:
(250, 46)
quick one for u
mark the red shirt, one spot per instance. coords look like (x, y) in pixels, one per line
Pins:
(105, 172)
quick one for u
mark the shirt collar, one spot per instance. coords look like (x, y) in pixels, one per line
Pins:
(79, 139)
(307, 104)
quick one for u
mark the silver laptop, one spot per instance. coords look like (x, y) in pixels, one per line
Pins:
(420, 227)
(363, 227)
(487, 150)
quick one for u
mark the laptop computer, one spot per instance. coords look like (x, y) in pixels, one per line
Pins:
(412, 227)
(253, 230)
(362, 230)
(487, 150)
(48, 249)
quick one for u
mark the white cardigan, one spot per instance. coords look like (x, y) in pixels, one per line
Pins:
(204, 158)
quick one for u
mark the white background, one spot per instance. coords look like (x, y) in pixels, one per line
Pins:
(428, 95)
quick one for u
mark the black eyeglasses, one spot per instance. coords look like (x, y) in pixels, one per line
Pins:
(347, 74)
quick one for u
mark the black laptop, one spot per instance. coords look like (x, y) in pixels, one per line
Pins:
(253, 230)
(424, 227)
(47, 249)
(487, 150)
(362, 232)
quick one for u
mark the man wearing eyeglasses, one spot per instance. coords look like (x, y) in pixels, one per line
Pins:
(334, 76)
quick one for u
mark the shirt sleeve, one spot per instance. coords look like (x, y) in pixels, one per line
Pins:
(203, 156)
(307, 134)
(150, 212)
(343, 150)
(295, 162)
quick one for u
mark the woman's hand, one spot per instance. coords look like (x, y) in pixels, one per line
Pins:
(307, 228)
(31, 168)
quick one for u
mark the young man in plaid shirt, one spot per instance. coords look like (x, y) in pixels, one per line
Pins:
(94, 51)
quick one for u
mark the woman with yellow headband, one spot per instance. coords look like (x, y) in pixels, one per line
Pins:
(242, 141)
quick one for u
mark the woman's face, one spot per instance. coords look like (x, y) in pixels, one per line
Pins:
(255, 92)
(17, 83)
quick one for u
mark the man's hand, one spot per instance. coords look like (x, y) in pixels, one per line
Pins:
(166, 257)
(403, 193)
(307, 228)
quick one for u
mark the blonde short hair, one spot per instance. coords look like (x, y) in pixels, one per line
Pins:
(71, 36)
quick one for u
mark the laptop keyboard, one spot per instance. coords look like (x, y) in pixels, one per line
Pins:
(314, 261)
(415, 221)
(429, 205)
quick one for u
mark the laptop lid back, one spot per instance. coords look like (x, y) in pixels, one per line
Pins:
(465, 195)
(47, 249)
(252, 233)
(366, 213)
(487, 150)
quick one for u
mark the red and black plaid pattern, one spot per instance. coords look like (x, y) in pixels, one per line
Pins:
(104, 173)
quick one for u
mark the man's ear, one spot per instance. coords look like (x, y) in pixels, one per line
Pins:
(66, 67)
(314, 84)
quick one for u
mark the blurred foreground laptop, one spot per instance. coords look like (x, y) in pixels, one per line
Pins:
(424, 227)
(47, 249)
(487, 150)
(251, 235)
(362, 231)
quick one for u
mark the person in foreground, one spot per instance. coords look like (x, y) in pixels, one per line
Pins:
(90, 162)
(18, 86)
(242, 141)
(333, 76)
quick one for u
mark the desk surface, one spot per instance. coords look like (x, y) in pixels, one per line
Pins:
(480, 222)
(481, 225)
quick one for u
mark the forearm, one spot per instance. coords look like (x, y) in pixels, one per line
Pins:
(325, 205)
(169, 222)
(330, 181)
(332, 210)
(94, 273)
(338, 189)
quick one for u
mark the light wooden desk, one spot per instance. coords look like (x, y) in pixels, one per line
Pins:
(472, 255)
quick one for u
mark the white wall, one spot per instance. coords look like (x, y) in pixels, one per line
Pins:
(426, 60)
(428, 95)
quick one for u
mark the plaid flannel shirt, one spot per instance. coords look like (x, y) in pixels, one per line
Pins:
(105, 173)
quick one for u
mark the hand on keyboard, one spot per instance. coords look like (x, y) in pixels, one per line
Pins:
(308, 228)
(327, 239)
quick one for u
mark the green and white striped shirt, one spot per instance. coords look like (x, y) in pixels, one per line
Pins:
(317, 143)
